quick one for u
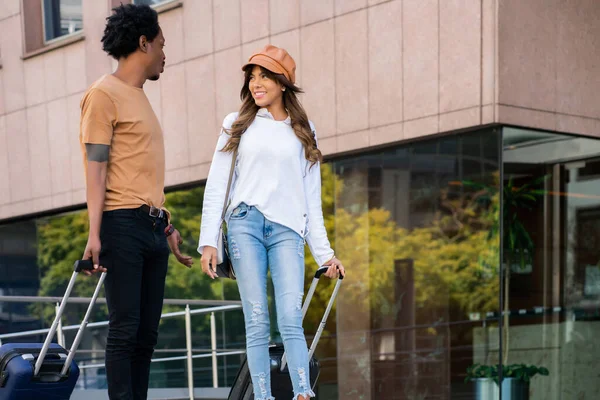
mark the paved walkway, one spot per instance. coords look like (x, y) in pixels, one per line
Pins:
(159, 394)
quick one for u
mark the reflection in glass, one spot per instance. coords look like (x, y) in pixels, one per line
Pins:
(552, 265)
(418, 232)
(36, 259)
(18, 275)
(62, 17)
(151, 2)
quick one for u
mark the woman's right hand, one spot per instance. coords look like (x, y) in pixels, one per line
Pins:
(209, 258)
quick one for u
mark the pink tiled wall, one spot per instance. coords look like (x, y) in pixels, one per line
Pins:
(375, 72)
(549, 65)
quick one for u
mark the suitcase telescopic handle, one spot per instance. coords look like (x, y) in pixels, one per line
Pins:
(309, 296)
(80, 265)
(83, 265)
(322, 270)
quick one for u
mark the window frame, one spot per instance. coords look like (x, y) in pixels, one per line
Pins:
(164, 5)
(159, 4)
(33, 31)
(57, 39)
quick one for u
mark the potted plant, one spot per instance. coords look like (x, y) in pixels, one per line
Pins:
(518, 254)
(515, 380)
(517, 242)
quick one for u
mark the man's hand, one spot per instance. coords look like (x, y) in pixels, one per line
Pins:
(174, 241)
(92, 250)
(209, 258)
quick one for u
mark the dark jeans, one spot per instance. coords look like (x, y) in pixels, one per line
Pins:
(135, 253)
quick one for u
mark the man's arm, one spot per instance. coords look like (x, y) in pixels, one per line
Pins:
(98, 119)
(97, 161)
(97, 157)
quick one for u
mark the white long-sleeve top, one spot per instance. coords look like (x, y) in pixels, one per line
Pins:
(271, 174)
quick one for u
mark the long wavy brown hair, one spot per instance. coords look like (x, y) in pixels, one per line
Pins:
(296, 112)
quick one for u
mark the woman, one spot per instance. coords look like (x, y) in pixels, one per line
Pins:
(275, 206)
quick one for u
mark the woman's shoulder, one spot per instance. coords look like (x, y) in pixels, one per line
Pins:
(230, 119)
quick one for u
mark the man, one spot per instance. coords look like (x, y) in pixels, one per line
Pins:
(130, 234)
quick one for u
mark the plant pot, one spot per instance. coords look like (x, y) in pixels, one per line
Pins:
(512, 389)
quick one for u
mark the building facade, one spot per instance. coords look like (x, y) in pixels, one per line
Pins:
(459, 188)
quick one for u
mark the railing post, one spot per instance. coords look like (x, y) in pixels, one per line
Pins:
(84, 379)
(188, 342)
(60, 337)
(213, 346)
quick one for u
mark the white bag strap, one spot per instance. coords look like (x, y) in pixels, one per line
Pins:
(231, 170)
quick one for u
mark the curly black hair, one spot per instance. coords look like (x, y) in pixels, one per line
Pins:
(125, 26)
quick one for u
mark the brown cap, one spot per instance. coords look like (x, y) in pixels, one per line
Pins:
(275, 60)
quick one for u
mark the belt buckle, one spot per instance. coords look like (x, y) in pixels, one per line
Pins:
(155, 212)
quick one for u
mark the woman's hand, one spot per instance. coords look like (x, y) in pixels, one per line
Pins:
(335, 268)
(209, 258)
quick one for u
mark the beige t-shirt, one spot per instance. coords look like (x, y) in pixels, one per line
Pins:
(117, 114)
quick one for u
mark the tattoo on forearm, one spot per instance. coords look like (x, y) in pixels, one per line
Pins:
(97, 152)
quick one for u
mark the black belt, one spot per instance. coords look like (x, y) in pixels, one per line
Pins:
(154, 212)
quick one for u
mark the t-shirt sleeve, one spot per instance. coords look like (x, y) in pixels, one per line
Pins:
(98, 118)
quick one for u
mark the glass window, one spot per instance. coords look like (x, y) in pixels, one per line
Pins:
(151, 2)
(418, 233)
(18, 275)
(61, 18)
(36, 259)
(551, 257)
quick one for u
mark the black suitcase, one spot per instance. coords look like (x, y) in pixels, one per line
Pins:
(281, 384)
(35, 371)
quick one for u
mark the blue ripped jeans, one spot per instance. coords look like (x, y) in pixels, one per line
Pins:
(256, 243)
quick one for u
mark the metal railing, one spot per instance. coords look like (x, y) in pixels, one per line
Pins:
(213, 352)
(102, 300)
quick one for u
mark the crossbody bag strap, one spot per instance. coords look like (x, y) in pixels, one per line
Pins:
(231, 170)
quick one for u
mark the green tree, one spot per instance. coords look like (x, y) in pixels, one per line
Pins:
(457, 251)
(455, 261)
(61, 241)
(331, 187)
(191, 283)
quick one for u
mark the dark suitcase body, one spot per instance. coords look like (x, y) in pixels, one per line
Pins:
(17, 382)
(36, 371)
(281, 384)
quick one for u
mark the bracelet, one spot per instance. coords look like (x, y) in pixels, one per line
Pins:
(169, 230)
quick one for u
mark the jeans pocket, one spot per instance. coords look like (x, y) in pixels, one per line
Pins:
(240, 212)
